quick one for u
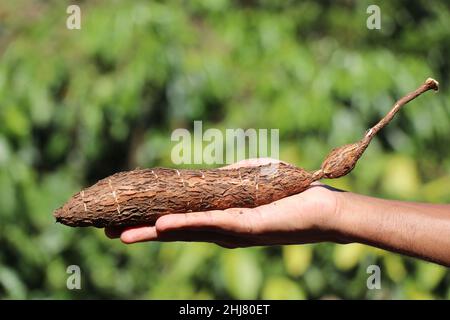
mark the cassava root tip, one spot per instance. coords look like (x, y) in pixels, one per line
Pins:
(433, 84)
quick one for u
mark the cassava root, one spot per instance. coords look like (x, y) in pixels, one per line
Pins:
(141, 196)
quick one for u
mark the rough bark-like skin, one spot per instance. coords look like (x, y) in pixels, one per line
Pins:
(342, 160)
(141, 196)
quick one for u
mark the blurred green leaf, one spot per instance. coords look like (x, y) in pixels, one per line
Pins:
(429, 275)
(12, 284)
(395, 268)
(279, 288)
(241, 273)
(297, 259)
(401, 177)
(347, 256)
(437, 190)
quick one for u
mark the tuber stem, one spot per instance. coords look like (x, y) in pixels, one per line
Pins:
(340, 161)
(430, 84)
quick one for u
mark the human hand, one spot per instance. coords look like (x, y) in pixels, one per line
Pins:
(302, 218)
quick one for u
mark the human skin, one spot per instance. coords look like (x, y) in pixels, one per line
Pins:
(318, 214)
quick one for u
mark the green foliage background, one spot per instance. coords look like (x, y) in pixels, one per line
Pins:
(77, 105)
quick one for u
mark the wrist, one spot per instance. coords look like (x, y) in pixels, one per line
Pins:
(360, 219)
(329, 217)
(343, 222)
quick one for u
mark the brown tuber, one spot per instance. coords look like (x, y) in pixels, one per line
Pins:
(141, 196)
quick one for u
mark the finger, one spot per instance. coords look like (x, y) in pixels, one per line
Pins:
(226, 221)
(142, 234)
(193, 236)
(224, 240)
(138, 234)
(237, 221)
(113, 232)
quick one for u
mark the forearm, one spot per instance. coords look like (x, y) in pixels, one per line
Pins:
(416, 229)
